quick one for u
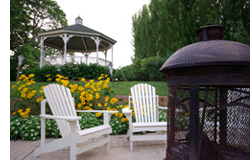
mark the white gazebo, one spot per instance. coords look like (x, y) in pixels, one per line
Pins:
(76, 38)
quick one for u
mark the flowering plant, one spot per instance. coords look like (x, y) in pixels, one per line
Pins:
(88, 95)
(25, 95)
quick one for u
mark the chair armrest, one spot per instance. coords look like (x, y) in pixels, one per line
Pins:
(127, 110)
(106, 114)
(67, 118)
(96, 111)
(160, 107)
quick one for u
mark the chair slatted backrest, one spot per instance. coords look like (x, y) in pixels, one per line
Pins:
(61, 103)
(145, 103)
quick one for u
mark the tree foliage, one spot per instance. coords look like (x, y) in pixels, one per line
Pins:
(164, 26)
(29, 17)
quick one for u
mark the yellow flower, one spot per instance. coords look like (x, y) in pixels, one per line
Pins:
(97, 96)
(13, 86)
(49, 79)
(23, 95)
(22, 76)
(38, 100)
(83, 102)
(25, 90)
(75, 86)
(105, 86)
(13, 113)
(79, 105)
(31, 75)
(106, 98)
(28, 83)
(113, 100)
(20, 110)
(65, 82)
(83, 93)
(42, 87)
(80, 88)
(123, 120)
(99, 105)
(89, 97)
(82, 98)
(98, 114)
(83, 80)
(47, 75)
(29, 96)
(120, 114)
(87, 85)
(91, 81)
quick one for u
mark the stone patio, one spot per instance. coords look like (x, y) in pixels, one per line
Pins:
(119, 150)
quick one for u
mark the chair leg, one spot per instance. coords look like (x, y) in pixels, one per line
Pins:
(73, 147)
(107, 145)
(131, 145)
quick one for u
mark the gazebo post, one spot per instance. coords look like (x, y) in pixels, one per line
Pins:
(97, 42)
(112, 54)
(41, 51)
(65, 40)
(105, 53)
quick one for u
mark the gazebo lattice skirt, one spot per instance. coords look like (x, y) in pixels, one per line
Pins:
(224, 123)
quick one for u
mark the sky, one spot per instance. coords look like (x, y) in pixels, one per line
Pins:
(110, 17)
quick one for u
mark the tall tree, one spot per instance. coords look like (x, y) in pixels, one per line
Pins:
(29, 17)
(171, 24)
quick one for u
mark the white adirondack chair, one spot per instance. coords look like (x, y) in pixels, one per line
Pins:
(62, 107)
(146, 109)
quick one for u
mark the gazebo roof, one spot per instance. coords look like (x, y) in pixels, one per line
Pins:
(80, 42)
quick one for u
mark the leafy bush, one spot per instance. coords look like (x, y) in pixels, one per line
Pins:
(147, 69)
(42, 74)
(30, 128)
(151, 67)
(70, 70)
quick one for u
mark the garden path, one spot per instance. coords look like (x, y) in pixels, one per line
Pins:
(119, 150)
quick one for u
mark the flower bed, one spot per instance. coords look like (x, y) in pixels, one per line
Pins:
(88, 95)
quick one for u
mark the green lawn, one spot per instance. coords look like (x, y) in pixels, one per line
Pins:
(123, 88)
(119, 88)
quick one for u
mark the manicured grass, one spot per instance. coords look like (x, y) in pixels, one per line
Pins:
(123, 88)
(119, 88)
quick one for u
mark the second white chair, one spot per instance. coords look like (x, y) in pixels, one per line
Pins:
(146, 110)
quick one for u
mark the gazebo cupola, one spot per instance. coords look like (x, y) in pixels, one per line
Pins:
(76, 38)
(78, 20)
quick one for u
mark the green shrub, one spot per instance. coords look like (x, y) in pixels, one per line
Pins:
(70, 70)
(30, 128)
(147, 69)
(151, 67)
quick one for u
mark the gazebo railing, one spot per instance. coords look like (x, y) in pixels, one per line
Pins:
(58, 60)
